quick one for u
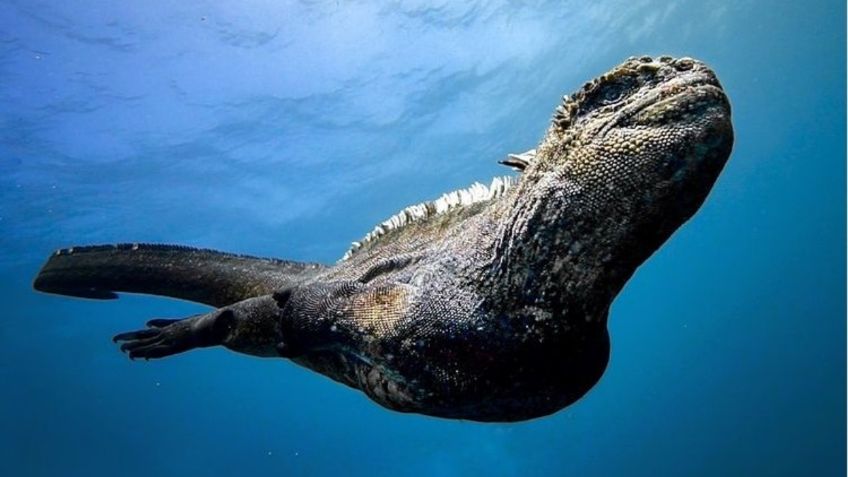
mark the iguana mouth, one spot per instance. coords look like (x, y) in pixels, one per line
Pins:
(685, 97)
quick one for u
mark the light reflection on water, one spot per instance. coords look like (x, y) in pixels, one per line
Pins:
(291, 128)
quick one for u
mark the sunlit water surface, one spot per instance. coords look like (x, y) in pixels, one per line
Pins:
(291, 128)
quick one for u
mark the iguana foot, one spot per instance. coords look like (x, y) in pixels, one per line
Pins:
(166, 337)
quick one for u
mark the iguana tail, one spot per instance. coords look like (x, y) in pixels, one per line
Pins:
(200, 275)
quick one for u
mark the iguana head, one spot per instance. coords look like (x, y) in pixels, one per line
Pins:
(644, 133)
(626, 160)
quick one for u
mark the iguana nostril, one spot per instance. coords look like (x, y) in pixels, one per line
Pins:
(684, 64)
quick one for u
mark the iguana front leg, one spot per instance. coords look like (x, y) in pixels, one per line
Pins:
(346, 330)
(164, 338)
(250, 326)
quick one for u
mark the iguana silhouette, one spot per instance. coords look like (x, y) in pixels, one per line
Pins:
(487, 304)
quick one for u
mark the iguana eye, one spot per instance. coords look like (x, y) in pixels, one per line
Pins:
(616, 90)
(612, 96)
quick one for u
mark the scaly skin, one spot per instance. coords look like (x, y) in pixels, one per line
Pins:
(493, 311)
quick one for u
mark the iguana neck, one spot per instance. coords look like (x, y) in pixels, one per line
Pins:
(560, 238)
(568, 238)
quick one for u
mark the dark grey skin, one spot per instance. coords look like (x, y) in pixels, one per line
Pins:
(493, 311)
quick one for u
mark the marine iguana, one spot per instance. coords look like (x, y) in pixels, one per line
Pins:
(488, 304)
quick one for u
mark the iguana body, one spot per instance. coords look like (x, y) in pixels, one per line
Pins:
(489, 304)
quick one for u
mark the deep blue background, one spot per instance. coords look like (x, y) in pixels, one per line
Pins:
(291, 128)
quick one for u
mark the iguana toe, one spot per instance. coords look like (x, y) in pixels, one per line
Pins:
(135, 335)
(162, 322)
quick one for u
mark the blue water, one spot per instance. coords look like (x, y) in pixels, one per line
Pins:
(290, 128)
